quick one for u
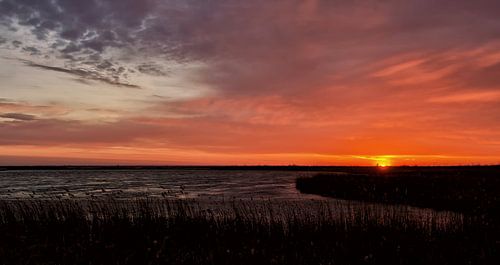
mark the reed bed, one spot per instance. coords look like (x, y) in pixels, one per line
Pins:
(471, 190)
(164, 231)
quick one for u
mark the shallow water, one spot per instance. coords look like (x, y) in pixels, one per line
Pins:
(209, 184)
(212, 187)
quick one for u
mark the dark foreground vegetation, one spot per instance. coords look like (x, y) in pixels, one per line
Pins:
(244, 232)
(471, 190)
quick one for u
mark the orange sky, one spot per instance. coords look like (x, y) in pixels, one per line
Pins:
(250, 82)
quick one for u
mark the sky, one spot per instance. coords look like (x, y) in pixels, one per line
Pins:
(237, 82)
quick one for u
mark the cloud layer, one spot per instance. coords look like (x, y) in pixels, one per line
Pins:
(334, 78)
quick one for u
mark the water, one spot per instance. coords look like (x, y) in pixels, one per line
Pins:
(208, 186)
(196, 184)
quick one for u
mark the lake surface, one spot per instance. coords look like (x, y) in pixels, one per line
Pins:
(203, 184)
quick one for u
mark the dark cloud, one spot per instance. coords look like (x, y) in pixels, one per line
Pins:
(32, 50)
(84, 74)
(152, 69)
(259, 46)
(18, 116)
(83, 30)
(16, 43)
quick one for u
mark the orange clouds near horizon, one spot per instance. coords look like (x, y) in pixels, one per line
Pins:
(30, 155)
(250, 83)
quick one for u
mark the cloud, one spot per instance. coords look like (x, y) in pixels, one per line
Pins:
(330, 77)
(49, 110)
(49, 132)
(151, 69)
(78, 33)
(262, 47)
(16, 43)
(18, 116)
(32, 50)
(482, 96)
(85, 74)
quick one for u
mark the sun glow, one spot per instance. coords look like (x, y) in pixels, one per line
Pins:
(383, 163)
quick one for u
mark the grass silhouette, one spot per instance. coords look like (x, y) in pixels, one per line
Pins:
(161, 231)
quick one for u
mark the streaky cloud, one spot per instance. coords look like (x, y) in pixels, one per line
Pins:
(18, 116)
(81, 73)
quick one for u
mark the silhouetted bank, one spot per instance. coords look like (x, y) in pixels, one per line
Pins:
(472, 190)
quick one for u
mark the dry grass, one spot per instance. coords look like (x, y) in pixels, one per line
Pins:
(237, 232)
